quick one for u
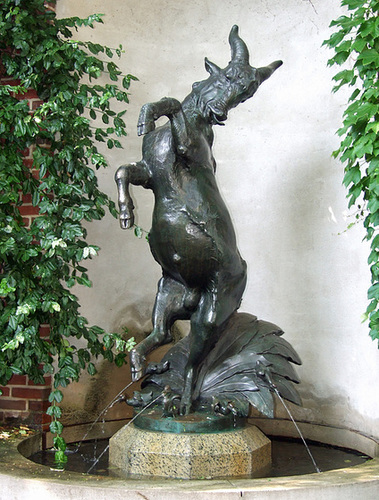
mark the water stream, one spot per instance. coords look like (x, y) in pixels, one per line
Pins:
(103, 412)
(298, 430)
(119, 398)
(96, 461)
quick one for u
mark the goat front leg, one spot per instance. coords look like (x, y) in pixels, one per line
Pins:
(151, 111)
(137, 174)
(171, 108)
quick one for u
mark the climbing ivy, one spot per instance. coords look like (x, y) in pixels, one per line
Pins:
(40, 264)
(356, 46)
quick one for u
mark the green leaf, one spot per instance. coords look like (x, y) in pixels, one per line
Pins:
(56, 427)
(353, 175)
(352, 4)
(60, 457)
(54, 411)
(345, 76)
(59, 443)
(369, 56)
(91, 369)
(355, 94)
(344, 46)
(339, 58)
(373, 204)
(55, 396)
(335, 39)
(374, 165)
(138, 231)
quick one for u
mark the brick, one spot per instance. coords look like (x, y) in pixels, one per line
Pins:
(29, 94)
(26, 153)
(46, 419)
(12, 404)
(26, 198)
(28, 162)
(5, 391)
(15, 415)
(26, 221)
(28, 210)
(30, 393)
(41, 406)
(44, 331)
(18, 380)
(35, 104)
(38, 419)
(8, 80)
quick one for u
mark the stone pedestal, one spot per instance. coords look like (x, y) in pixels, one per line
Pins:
(242, 452)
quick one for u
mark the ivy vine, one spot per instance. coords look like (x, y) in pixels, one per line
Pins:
(356, 41)
(40, 264)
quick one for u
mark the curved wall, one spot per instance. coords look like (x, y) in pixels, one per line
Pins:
(279, 181)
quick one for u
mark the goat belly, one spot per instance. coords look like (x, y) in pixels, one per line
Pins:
(184, 249)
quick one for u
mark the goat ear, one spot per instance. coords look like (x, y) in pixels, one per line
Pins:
(267, 71)
(211, 67)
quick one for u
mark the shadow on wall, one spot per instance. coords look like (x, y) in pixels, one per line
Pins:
(85, 401)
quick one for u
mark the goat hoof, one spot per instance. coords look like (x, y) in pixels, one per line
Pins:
(138, 365)
(145, 128)
(157, 368)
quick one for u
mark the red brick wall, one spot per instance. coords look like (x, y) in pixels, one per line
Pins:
(23, 401)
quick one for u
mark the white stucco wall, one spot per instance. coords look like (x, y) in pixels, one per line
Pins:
(276, 174)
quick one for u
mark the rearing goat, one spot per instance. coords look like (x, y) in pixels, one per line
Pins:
(192, 235)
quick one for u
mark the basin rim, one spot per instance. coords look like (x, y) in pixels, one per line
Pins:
(19, 476)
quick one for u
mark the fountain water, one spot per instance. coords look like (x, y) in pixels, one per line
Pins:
(318, 470)
(22, 479)
(103, 412)
(126, 426)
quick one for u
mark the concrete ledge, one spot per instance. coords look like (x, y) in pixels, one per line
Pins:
(21, 479)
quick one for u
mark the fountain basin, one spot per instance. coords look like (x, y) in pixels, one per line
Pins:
(22, 479)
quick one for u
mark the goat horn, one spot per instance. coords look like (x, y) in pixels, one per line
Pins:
(238, 47)
(267, 71)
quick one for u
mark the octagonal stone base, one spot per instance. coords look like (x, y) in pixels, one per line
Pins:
(237, 453)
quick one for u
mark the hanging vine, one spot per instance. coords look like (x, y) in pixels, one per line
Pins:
(356, 40)
(40, 264)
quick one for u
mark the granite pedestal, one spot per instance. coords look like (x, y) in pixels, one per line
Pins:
(243, 452)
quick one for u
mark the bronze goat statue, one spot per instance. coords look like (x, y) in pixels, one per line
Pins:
(192, 235)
